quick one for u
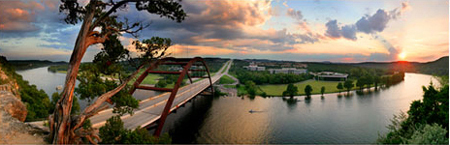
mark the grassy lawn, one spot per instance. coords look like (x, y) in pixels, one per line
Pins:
(226, 80)
(277, 90)
(151, 79)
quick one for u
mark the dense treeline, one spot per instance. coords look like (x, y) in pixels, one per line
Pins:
(29, 64)
(263, 77)
(37, 101)
(266, 78)
(426, 121)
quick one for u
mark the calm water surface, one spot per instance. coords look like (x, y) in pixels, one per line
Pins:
(354, 119)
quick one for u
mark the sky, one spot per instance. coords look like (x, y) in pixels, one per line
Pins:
(301, 30)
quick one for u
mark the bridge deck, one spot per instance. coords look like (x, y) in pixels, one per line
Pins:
(150, 109)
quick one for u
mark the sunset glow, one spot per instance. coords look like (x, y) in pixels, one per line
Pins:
(402, 56)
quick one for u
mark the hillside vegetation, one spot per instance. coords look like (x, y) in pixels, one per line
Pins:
(36, 101)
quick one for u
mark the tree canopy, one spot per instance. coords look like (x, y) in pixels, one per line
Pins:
(291, 90)
(308, 90)
(426, 122)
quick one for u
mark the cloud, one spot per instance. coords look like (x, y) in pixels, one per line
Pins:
(374, 23)
(295, 14)
(333, 30)
(369, 24)
(349, 32)
(17, 15)
(221, 23)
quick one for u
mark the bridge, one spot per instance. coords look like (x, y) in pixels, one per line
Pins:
(158, 107)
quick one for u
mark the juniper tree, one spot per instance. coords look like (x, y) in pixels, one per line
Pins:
(100, 25)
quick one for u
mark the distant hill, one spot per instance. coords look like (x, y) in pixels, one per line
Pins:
(437, 67)
(29, 64)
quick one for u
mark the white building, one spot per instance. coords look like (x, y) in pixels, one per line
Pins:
(331, 76)
(288, 71)
(254, 67)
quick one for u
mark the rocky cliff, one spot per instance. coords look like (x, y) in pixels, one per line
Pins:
(12, 114)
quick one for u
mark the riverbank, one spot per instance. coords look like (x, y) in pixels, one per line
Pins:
(277, 90)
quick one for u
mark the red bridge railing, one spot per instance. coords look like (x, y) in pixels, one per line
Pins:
(187, 67)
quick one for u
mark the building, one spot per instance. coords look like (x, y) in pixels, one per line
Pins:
(254, 67)
(288, 71)
(331, 76)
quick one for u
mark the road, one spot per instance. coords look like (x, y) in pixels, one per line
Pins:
(150, 109)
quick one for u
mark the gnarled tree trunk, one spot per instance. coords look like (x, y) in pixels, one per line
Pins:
(61, 121)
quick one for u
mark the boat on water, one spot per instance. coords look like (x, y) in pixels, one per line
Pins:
(59, 87)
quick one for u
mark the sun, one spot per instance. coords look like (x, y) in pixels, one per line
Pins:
(402, 56)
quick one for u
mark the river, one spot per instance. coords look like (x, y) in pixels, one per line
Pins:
(355, 119)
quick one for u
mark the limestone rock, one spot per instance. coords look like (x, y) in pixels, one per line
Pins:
(12, 105)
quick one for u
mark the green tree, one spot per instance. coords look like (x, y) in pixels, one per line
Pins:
(113, 132)
(101, 25)
(348, 84)
(308, 90)
(161, 84)
(368, 80)
(376, 81)
(360, 83)
(429, 134)
(340, 87)
(426, 123)
(291, 90)
(322, 90)
(250, 87)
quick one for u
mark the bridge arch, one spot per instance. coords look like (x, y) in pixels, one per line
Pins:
(187, 65)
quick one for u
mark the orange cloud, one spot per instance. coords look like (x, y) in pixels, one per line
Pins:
(19, 15)
(190, 51)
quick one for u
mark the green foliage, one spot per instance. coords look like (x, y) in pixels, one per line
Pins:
(225, 79)
(263, 77)
(322, 90)
(98, 77)
(430, 134)
(113, 132)
(340, 87)
(263, 94)
(55, 98)
(308, 90)
(432, 109)
(291, 90)
(427, 120)
(376, 81)
(360, 83)
(161, 84)
(58, 68)
(36, 101)
(266, 78)
(152, 47)
(30, 64)
(251, 88)
(348, 84)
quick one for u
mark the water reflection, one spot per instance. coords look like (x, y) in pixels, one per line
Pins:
(291, 102)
